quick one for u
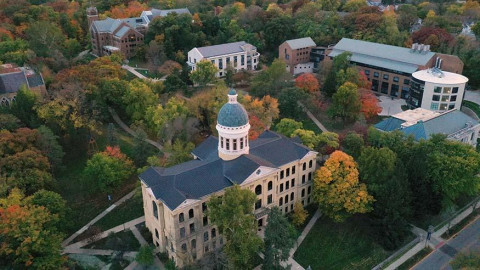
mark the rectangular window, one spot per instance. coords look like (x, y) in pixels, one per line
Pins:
(303, 179)
(286, 199)
(385, 76)
(396, 79)
(367, 72)
(375, 74)
(293, 182)
(437, 89)
(221, 142)
(406, 81)
(384, 87)
(287, 185)
(309, 190)
(394, 90)
(434, 106)
(228, 143)
(451, 106)
(293, 169)
(288, 172)
(269, 199)
(304, 166)
(309, 176)
(204, 207)
(234, 144)
(205, 221)
(242, 59)
(455, 90)
(192, 228)
(281, 187)
(445, 98)
(443, 106)
(241, 143)
(258, 204)
(436, 98)
(282, 174)
(447, 90)
(182, 232)
(453, 98)
(310, 164)
(303, 193)
(205, 236)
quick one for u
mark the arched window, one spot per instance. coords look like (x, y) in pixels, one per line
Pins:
(156, 234)
(310, 163)
(190, 213)
(214, 233)
(181, 217)
(184, 247)
(194, 243)
(270, 185)
(205, 236)
(258, 189)
(155, 209)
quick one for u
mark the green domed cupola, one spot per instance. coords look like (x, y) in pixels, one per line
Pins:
(232, 114)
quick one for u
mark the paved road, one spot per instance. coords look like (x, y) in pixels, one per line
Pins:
(473, 96)
(467, 240)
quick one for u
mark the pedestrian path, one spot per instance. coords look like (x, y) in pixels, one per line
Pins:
(312, 117)
(127, 225)
(141, 76)
(97, 218)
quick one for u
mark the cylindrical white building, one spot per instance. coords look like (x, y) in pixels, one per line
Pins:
(436, 90)
(232, 127)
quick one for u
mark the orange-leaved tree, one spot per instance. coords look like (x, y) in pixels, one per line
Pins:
(370, 107)
(307, 82)
(337, 189)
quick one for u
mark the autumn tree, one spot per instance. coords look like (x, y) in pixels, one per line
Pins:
(287, 126)
(106, 170)
(206, 104)
(28, 238)
(158, 116)
(299, 214)
(279, 239)
(9, 122)
(47, 142)
(307, 82)
(232, 213)
(369, 107)
(23, 107)
(337, 189)
(138, 98)
(204, 73)
(346, 103)
(265, 108)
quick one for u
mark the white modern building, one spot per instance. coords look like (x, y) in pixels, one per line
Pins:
(436, 90)
(241, 55)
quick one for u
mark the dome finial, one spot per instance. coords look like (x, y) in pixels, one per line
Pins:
(232, 96)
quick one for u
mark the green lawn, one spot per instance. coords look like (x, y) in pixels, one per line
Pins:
(123, 241)
(131, 209)
(345, 245)
(415, 259)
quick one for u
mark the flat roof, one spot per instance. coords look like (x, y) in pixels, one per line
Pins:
(411, 117)
(301, 43)
(442, 77)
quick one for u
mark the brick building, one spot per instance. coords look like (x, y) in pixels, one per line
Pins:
(296, 54)
(121, 35)
(390, 68)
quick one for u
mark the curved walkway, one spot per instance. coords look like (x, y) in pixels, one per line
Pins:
(130, 131)
(311, 116)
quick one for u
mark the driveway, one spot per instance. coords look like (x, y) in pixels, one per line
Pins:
(467, 240)
(390, 106)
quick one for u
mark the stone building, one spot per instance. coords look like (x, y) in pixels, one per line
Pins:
(240, 55)
(296, 54)
(390, 68)
(277, 169)
(13, 77)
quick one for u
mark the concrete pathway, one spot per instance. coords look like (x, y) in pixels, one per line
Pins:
(130, 131)
(121, 227)
(101, 215)
(140, 75)
(311, 116)
(390, 106)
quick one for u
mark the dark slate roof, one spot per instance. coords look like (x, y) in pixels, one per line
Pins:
(446, 123)
(165, 12)
(227, 48)
(232, 115)
(208, 174)
(35, 80)
(11, 82)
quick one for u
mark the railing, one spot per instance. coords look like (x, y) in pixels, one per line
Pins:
(399, 253)
(451, 220)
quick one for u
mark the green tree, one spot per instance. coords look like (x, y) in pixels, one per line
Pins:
(279, 239)
(287, 126)
(47, 142)
(308, 137)
(204, 73)
(28, 238)
(272, 80)
(387, 181)
(337, 189)
(330, 85)
(476, 29)
(44, 38)
(353, 144)
(158, 116)
(229, 72)
(330, 5)
(288, 103)
(108, 169)
(145, 255)
(354, 5)
(466, 261)
(22, 108)
(54, 203)
(407, 16)
(9, 122)
(138, 98)
(346, 103)
(179, 152)
(141, 149)
(232, 213)
(111, 91)
(174, 83)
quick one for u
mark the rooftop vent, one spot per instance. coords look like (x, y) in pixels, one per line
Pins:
(436, 72)
(420, 48)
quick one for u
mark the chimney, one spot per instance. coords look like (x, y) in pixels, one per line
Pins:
(426, 48)
(420, 47)
(414, 47)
